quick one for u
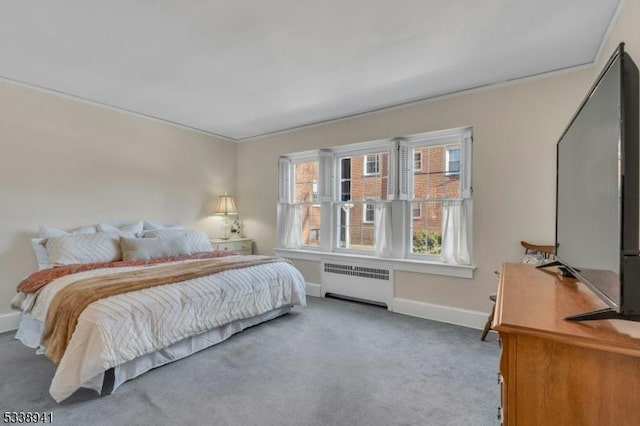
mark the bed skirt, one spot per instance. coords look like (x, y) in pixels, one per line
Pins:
(30, 330)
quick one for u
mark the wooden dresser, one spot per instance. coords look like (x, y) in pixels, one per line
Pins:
(558, 372)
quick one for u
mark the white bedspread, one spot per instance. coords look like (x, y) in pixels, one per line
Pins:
(121, 328)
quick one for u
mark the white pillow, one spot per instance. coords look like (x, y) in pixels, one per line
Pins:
(83, 248)
(38, 244)
(42, 257)
(131, 230)
(149, 248)
(150, 226)
(196, 241)
(46, 232)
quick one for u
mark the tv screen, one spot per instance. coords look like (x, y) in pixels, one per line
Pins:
(597, 187)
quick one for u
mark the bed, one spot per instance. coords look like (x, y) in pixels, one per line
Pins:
(166, 308)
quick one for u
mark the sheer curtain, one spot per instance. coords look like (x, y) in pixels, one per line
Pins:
(290, 226)
(455, 233)
(383, 229)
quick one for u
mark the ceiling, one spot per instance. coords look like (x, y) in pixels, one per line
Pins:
(241, 69)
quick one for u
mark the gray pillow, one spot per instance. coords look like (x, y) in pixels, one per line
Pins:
(149, 248)
(196, 241)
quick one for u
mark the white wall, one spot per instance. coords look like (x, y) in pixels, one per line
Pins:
(516, 128)
(65, 163)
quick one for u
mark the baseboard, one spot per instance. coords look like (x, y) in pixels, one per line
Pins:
(9, 321)
(442, 313)
(314, 290)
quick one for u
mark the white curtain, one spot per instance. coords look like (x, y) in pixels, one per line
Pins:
(383, 229)
(290, 226)
(455, 233)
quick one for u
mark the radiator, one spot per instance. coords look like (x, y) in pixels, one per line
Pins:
(358, 280)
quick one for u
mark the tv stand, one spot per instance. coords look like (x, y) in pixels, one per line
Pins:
(558, 372)
(602, 314)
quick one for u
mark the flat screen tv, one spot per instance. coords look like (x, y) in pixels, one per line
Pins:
(597, 192)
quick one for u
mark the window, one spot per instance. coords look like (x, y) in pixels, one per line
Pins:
(345, 179)
(416, 211)
(369, 213)
(437, 184)
(453, 161)
(372, 164)
(417, 161)
(314, 195)
(363, 179)
(306, 181)
(305, 198)
(339, 192)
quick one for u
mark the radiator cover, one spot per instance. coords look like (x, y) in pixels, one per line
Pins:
(358, 280)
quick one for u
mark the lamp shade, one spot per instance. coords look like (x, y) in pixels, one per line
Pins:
(226, 205)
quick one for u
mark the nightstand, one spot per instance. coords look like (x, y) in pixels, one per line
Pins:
(239, 246)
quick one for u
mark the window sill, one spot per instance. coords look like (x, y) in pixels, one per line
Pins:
(409, 265)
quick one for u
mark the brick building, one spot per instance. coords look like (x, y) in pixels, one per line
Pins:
(363, 181)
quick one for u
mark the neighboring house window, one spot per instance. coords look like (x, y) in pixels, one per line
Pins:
(314, 195)
(453, 161)
(417, 161)
(345, 179)
(372, 164)
(352, 187)
(416, 211)
(369, 212)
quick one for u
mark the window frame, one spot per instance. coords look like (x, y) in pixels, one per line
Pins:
(400, 186)
(314, 191)
(447, 161)
(288, 197)
(365, 211)
(419, 216)
(337, 207)
(417, 169)
(410, 231)
(460, 139)
(364, 150)
(365, 165)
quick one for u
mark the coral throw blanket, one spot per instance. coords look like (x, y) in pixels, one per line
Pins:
(68, 303)
(39, 279)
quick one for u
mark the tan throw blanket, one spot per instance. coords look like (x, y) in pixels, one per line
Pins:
(68, 303)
